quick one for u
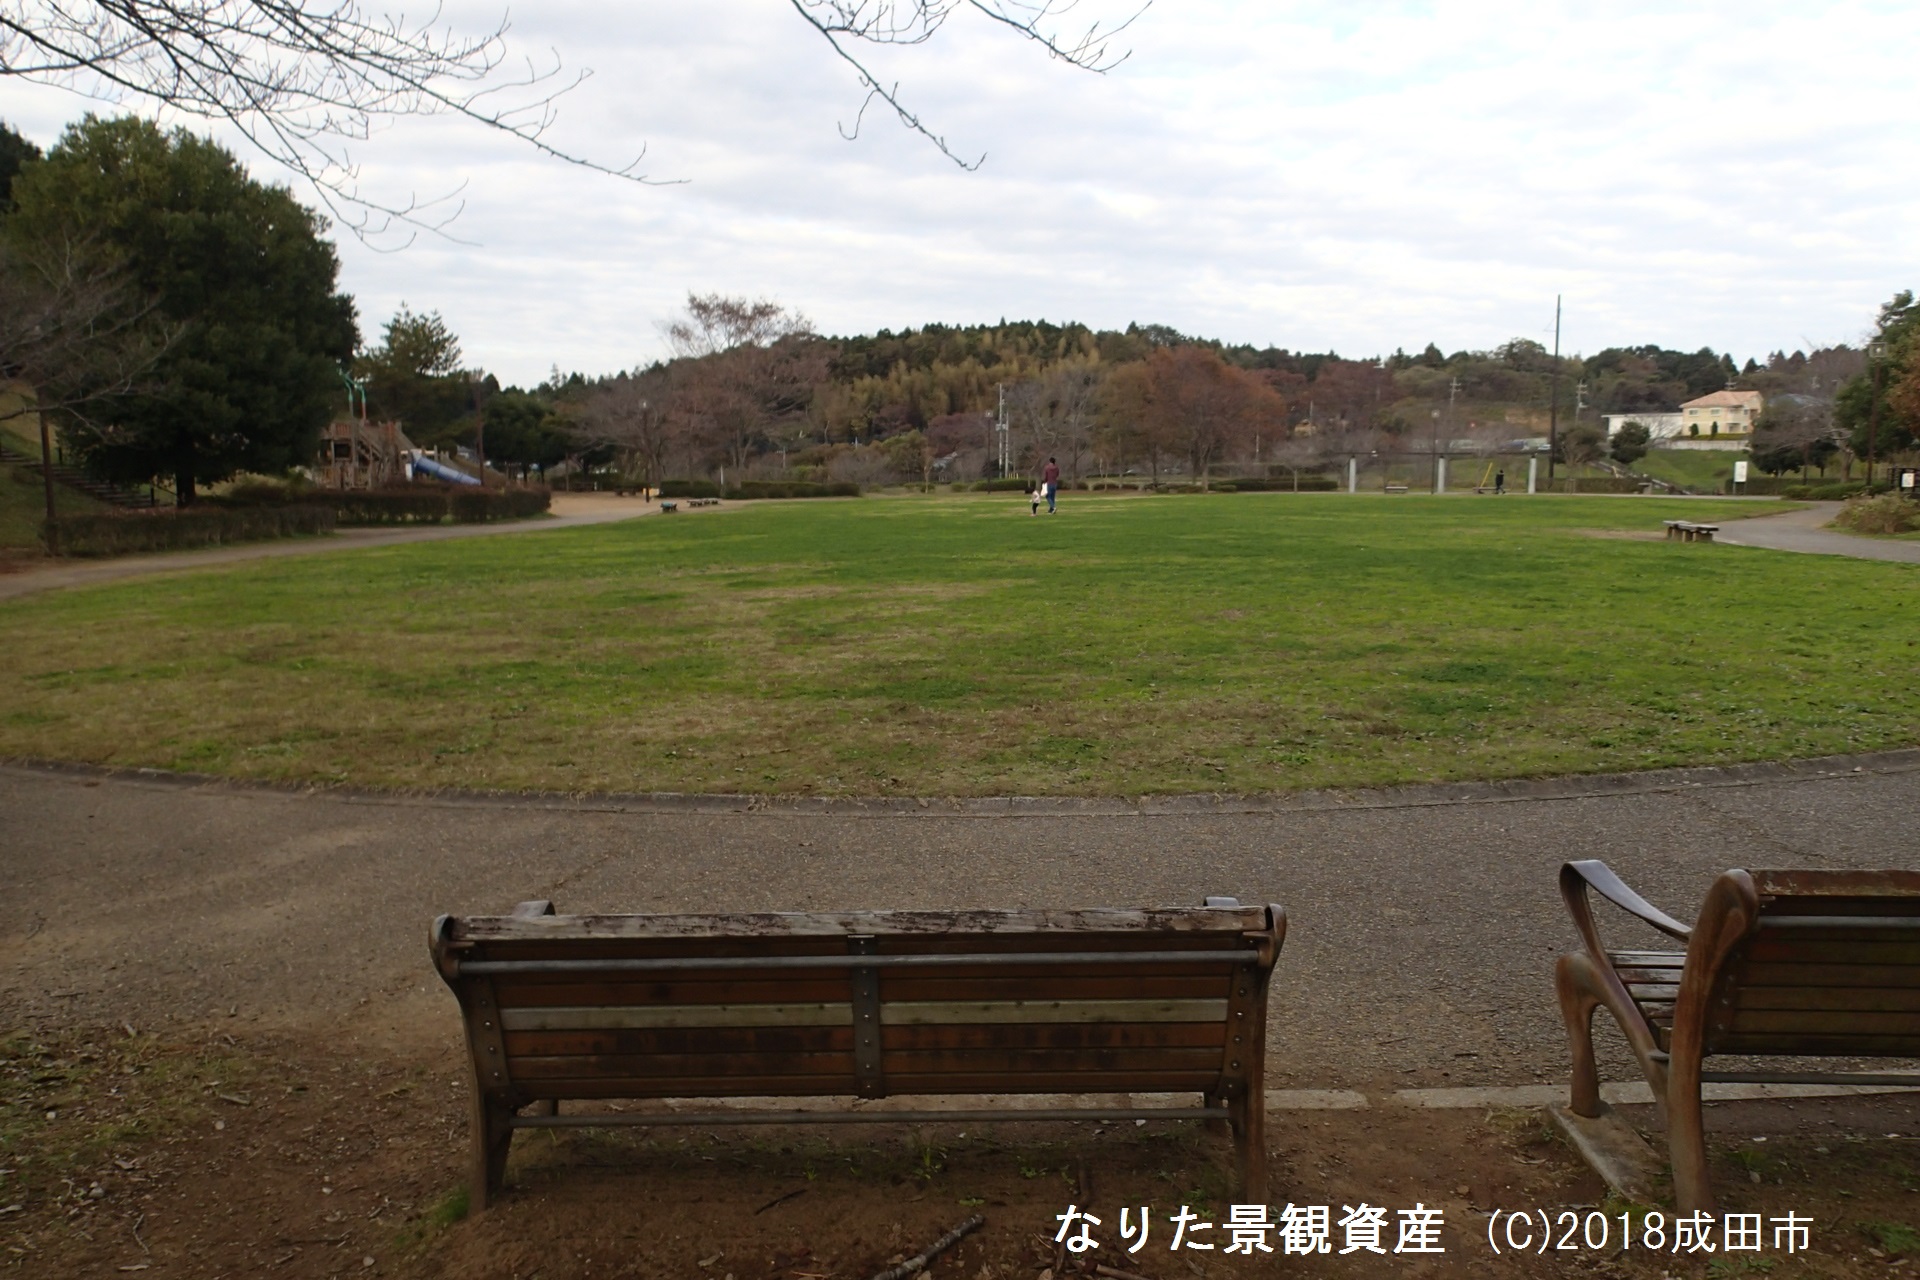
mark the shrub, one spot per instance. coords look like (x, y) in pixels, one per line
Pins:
(123, 533)
(1886, 513)
(1600, 484)
(429, 504)
(477, 506)
(689, 489)
(1795, 487)
(748, 489)
(1005, 484)
(1284, 484)
(413, 504)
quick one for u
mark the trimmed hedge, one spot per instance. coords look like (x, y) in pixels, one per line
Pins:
(468, 506)
(422, 505)
(1599, 484)
(125, 533)
(1005, 484)
(748, 489)
(1284, 484)
(689, 489)
(430, 504)
(1789, 487)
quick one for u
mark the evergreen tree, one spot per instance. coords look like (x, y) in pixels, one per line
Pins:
(238, 267)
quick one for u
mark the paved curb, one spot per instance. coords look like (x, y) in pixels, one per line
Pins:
(1414, 796)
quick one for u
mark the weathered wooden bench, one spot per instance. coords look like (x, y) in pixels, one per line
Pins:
(862, 1005)
(1688, 531)
(1396, 488)
(1803, 964)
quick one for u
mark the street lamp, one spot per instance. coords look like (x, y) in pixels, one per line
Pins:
(1876, 355)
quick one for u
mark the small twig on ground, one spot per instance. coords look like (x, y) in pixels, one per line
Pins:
(797, 1191)
(919, 1261)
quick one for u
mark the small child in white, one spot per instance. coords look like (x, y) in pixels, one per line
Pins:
(1036, 498)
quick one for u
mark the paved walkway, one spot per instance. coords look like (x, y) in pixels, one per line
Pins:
(570, 512)
(1804, 531)
(1424, 922)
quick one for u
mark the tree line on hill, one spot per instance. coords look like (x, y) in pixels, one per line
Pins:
(178, 319)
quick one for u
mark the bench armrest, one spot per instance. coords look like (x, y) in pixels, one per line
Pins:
(1576, 878)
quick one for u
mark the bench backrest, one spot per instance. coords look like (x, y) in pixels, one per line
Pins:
(862, 1004)
(1807, 962)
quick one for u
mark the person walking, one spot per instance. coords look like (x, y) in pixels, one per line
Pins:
(1050, 481)
(1500, 481)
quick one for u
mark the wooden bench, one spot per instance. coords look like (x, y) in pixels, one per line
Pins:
(1687, 531)
(1803, 964)
(862, 1005)
(1396, 488)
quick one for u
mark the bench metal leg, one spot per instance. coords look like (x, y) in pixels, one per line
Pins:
(492, 1137)
(1218, 1098)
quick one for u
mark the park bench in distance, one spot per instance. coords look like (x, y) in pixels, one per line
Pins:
(1688, 531)
(862, 1005)
(1802, 964)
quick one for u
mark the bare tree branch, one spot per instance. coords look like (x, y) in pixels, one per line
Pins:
(303, 80)
(74, 330)
(913, 22)
(300, 79)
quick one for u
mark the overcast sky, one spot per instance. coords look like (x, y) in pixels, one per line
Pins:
(1357, 176)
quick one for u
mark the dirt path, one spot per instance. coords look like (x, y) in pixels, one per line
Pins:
(1805, 531)
(570, 511)
(1424, 922)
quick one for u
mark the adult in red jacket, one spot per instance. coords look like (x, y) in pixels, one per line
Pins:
(1050, 481)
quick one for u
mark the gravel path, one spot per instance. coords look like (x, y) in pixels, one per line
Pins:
(1424, 922)
(1804, 531)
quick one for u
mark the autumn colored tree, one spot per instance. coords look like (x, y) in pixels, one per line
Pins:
(1192, 401)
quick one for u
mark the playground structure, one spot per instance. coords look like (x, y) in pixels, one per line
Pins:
(357, 454)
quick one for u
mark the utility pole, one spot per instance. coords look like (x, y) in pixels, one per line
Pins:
(1000, 427)
(1553, 396)
(1876, 352)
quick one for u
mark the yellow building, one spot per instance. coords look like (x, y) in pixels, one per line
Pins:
(1724, 413)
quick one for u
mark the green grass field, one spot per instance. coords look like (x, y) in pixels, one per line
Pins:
(1701, 470)
(956, 646)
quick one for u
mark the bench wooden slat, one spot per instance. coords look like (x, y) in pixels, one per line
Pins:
(897, 1013)
(1747, 1021)
(958, 1013)
(839, 924)
(595, 1088)
(1884, 977)
(1868, 999)
(614, 1017)
(1143, 1037)
(559, 989)
(623, 1040)
(1791, 948)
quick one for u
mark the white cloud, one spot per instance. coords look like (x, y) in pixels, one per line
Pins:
(1358, 177)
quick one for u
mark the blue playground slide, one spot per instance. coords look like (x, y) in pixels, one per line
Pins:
(441, 471)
